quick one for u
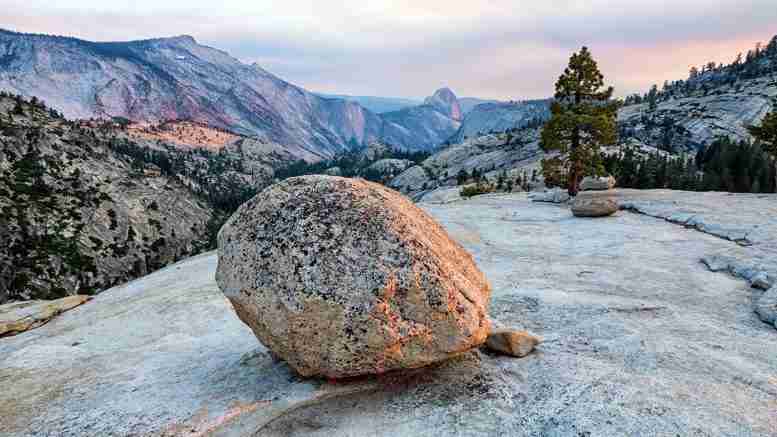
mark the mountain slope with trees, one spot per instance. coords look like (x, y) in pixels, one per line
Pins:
(715, 100)
(163, 79)
(78, 215)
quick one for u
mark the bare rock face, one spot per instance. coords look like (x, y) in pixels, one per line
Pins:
(445, 100)
(343, 277)
(595, 204)
(413, 179)
(511, 342)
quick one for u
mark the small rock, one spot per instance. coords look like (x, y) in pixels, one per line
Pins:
(512, 342)
(344, 277)
(766, 307)
(595, 204)
(597, 184)
(760, 281)
(555, 195)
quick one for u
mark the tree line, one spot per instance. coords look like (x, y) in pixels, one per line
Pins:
(351, 164)
(725, 165)
(584, 119)
(759, 61)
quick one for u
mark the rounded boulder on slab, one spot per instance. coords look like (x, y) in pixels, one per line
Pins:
(595, 204)
(343, 277)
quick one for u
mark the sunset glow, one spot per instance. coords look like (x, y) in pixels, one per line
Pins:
(495, 49)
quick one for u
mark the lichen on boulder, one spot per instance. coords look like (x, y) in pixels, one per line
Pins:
(342, 277)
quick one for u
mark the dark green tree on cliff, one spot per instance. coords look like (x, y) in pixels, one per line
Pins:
(583, 119)
(766, 133)
(766, 136)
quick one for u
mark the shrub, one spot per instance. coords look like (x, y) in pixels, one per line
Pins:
(476, 189)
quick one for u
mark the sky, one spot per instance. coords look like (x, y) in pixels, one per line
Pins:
(502, 49)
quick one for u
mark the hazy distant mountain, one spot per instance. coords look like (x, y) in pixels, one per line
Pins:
(500, 117)
(379, 105)
(445, 101)
(177, 78)
(425, 126)
(375, 104)
(468, 103)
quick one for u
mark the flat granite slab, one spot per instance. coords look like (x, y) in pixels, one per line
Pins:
(747, 219)
(640, 339)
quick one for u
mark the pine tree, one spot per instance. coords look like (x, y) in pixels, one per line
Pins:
(18, 108)
(462, 177)
(766, 133)
(583, 119)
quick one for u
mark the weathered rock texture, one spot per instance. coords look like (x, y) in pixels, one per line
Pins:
(342, 277)
(18, 317)
(745, 219)
(78, 214)
(412, 180)
(766, 306)
(516, 153)
(692, 121)
(595, 204)
(493, 117)
(640, 339)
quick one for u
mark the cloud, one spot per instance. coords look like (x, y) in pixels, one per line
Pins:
(497, 48)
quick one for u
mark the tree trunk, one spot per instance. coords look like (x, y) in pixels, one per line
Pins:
(572, 180)
(574, 167)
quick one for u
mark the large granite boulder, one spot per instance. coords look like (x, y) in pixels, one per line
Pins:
(595, 204)
(342, 277)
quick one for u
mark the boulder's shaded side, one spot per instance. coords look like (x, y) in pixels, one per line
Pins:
(512, 342)
(766, 306)
(595, 204)
(343, 277)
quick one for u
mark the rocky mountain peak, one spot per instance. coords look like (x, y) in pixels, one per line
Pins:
(175, 78)
(179, 40)
(445, 100)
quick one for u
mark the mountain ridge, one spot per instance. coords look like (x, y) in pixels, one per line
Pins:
(176, 78)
